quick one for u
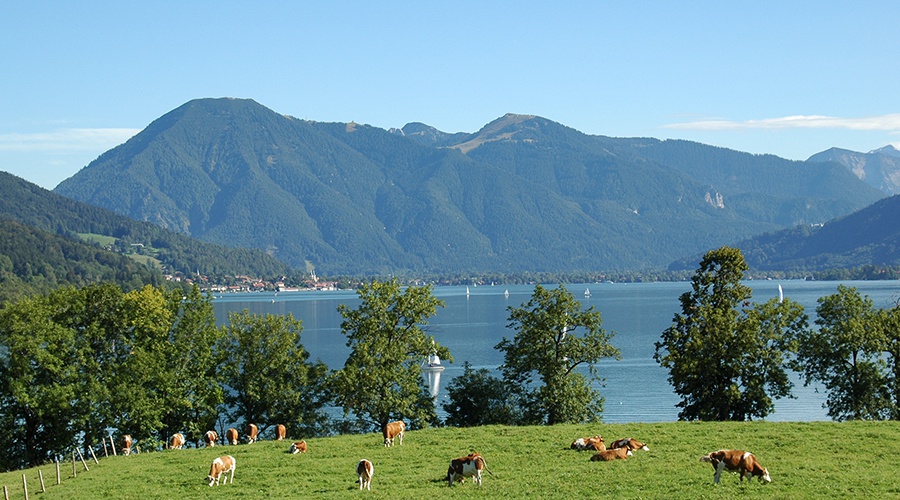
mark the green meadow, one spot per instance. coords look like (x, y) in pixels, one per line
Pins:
(805, 460)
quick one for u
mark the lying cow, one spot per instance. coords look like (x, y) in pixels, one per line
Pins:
(219, 466)
(252, 432)
(589, 443)
(126, 444)
(393, 430)
(365, 470)
(630, 443)
(280, 432)
(298, 447)
(210, 438)
(231, 436)
(613, 454)
(737, 460)
(177, 441)
(470, 465)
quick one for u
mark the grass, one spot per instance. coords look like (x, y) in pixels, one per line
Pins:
(806, 460)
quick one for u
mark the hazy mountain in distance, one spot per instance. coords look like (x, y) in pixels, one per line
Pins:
(879, 168)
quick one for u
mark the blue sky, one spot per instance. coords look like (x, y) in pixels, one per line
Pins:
(787, 78)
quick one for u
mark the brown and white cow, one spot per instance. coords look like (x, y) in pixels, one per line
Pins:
(393, 430)
(365, 470)
(280, 432)
(613, 454)
(470, 465)
(126, 444)
(589, 443)
(231, 436)
(210, 438)
(630, 443)
(221, 465)
(177, 441)
(298, 447)
(252, 432)
(736, 460)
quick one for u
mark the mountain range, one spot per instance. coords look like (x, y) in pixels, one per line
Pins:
(522, 194)
(879, 168)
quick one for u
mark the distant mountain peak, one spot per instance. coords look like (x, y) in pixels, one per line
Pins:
(889, 150)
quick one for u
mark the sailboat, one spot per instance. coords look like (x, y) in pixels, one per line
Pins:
(780, 294)
(432, 367)
(506, 293)
(587, 292)
(467, 290)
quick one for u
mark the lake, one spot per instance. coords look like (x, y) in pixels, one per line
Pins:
(636, 387)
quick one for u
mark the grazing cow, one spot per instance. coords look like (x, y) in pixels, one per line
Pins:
(210, 438)
(177, 441)
(280, 432)
(298, 447)
(630, 443)
(365, 470)
(126, 444)
(736, 460)
(589, 443)
(392, 430)
(231, 436)
(614, 454)
(252, 432)
(219, 466)
(470, 465)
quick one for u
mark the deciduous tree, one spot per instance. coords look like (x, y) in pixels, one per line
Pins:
(478, 398)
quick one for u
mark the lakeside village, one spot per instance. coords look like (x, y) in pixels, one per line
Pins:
(245, 284)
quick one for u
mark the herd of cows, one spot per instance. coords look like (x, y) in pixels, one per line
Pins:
(470, 466)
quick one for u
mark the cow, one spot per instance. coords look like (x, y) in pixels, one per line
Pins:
(393, 430)
(365, 470)
(298, 447)
(252, 432)
(231, 436)
(210, 438)
(470, 465)
(177, 441)
(126, 444)
(630, 443)
(736, 460)
(280, 432)
(589, 443)
(219, 466)
(613, 454)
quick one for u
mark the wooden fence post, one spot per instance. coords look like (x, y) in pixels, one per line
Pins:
(41, 475)
(25, 486)
(5, 493)
(113, 445)
(74, 470)
(58, 478)
(82, 459)
(105, 450)
(93, 455)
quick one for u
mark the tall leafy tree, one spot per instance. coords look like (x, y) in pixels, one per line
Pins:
(726, 357)
(554, 336)
(478, 398)
(269, 377)
(382, 378)
(890, 323)
(844, 354)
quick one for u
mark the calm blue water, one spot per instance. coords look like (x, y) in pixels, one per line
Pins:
(636, 388)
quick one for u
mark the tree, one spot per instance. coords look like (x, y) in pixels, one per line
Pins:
(547, 345)
(269, 378)
(845, 355)
(478, 398)
(382, 378)
(890, 323)
(727, 359)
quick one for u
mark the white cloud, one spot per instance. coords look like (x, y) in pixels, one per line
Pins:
(890, 122)
(68, 139)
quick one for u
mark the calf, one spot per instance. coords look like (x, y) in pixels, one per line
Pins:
(126, 444)
(589, 443)
(298, 447)
(177, 441)
(280, 432)
(392, 430)
(613, 454)
(365, 470)
(252, 432)
(210, 438)
(630, 443)
(470, 465)
(736, 460)
(221, 465)
(231, 436)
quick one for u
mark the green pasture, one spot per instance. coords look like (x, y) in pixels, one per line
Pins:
(805, 460)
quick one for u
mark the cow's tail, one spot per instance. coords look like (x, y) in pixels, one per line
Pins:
(485, 466)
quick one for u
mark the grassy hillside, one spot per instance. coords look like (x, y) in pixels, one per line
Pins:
(805, 460)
